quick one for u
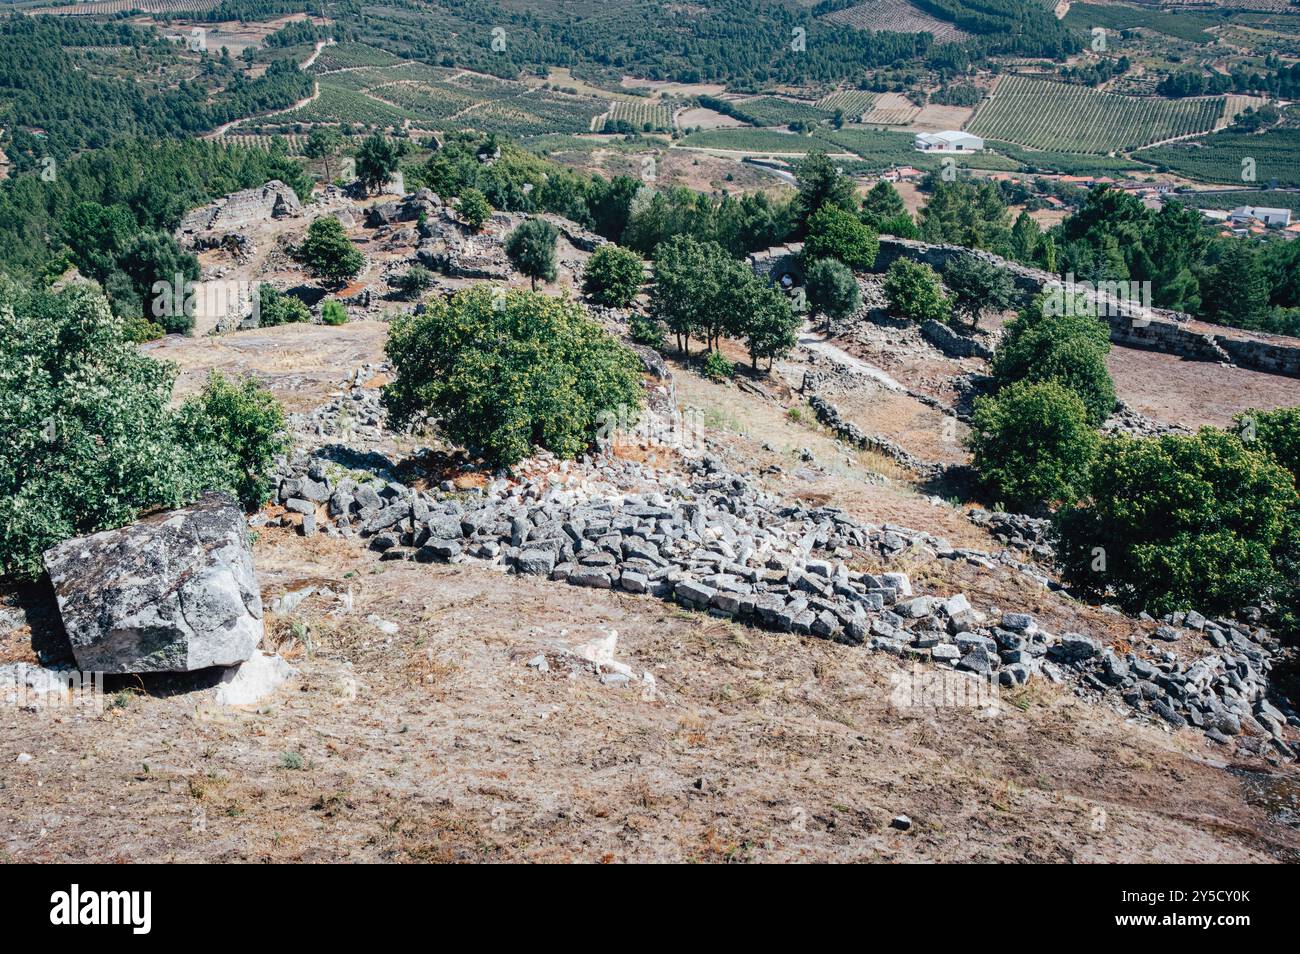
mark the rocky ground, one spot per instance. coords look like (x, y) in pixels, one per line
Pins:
(758, 631)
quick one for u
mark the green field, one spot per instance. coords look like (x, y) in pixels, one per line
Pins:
(655, 112)
(1221, 157)
(1181, 26)
(1062, 117)
(775, 111)
(854, 102)
(350, 55)
(1230, 200)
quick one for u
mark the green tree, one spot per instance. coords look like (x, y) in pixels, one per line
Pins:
(975, 285)
(1179, 522)
(87, 438)
(967, 213)
(1234, 290)
(323, 143)
(1068, 348)
(473, 207)
(1032, 444)
(913, 292)
(329, 253)
(531, 249)
(835, 233)
(507, 373)
(832, 290)
(1026, 238)
(613, 276)
(687, 284)
(769, 323)
(821, 184)
(376, 162)
(882, 204)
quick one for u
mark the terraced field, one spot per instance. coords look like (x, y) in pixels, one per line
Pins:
(111, 7)
(429, 97)
(1056, 116)
(776, 111)
(897, 16)
(655, 112)
(347, 55)
(854, 102)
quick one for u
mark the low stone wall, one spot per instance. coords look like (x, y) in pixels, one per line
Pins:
(1154, 329)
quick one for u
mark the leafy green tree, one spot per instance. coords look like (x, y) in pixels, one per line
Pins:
(1277, 433)
(832, 290)
(151, 257)
(97, 236)
(376, 161)
(835, 233)
(1068, 348)
(531, 249)
(276, 308)
(473, 207)
(323, 144)
(882, 204)
(977, 285)
(233, 431)
(687, 284)
(821, 184)
(505, 373)
(329, 253)
(913, 292)
(769, 322)
(967, 213)
(87, 438)
(613, 276)
(1179, 522)
(1032, 444)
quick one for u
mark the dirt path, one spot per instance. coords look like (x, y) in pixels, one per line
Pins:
(813, 340)
(315, 93)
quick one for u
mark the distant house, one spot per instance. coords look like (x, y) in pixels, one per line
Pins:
(1279, 218)
(949, 141)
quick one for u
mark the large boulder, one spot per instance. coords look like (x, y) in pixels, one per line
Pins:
(174, 592)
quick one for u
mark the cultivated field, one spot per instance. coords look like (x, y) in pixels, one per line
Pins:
(854, 102)
(1048, 115)
(896, 16)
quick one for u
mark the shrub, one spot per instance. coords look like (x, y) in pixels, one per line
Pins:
(277, 308)
(414, 281)
(1180, 522)
(234, 430)
(716, 367)
(832, 290)
(87, 439)
(328, 251)
(507, 372)
(646, 331)
(333, 312)
(1277, 433)
(914, 293)
(531, 249)
(835, 233)
(1032, 444)
(977, 285)
(474, 208)
(613, 276)
(140, 330)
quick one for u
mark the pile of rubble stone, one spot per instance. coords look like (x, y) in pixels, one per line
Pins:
(711, 541)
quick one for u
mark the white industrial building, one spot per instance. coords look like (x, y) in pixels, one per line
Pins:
(950, 140)
(1270, 217)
